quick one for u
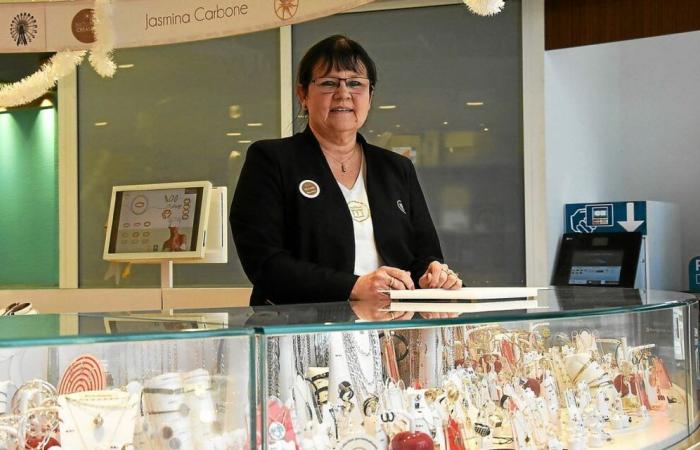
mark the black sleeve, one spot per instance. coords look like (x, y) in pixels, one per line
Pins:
(258, 224)
(426, 244)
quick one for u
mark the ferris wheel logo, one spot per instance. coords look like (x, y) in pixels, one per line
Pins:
(23, 28)
(286, 9)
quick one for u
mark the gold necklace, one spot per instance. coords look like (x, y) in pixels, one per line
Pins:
(98, 420)
(343, 161)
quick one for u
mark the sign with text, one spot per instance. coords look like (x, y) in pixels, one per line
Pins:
(56, 26)
(610, 217)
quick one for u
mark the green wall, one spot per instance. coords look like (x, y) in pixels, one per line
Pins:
(28, 198)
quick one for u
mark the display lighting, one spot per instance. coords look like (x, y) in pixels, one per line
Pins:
(387, 106)
(255, 124)
(444, 123)
(475, 103)
(46, 103)
(125, 66)
(233, 134)
(100, 124)
(234, 154)
(234, 111)
(245, 141)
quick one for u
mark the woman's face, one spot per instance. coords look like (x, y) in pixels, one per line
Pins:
(337, 112)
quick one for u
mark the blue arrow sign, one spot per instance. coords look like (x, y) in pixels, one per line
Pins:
(610, 217)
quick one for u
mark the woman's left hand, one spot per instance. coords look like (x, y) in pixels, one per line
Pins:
(439, 275)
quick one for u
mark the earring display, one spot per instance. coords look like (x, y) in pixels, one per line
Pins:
(480, 387)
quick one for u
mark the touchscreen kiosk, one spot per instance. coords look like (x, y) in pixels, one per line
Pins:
(598, 259)
(158, 222)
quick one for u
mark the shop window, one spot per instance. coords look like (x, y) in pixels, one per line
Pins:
(172, 113)
(449, 96)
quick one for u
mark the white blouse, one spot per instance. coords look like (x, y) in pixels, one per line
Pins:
(367, 257)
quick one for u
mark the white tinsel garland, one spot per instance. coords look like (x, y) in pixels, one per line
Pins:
(485, 7)
(64, 63)
(38, 83)
(101, 53)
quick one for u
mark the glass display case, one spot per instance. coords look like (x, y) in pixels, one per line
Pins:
(589, 368)
(99, 382)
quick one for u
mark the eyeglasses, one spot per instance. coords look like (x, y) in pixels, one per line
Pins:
(356, 85)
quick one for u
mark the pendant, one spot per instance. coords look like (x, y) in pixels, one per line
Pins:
(342, 167)
(98, 421)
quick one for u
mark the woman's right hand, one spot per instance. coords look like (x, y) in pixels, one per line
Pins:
(372, 285)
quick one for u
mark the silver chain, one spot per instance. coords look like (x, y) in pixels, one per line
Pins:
(359, 380)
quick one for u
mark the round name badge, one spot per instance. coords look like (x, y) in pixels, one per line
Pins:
(309, 189)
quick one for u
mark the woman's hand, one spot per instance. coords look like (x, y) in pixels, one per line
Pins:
(439, 275)
(373, 285)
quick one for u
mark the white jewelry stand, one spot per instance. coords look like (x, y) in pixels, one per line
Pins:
(287, 371)
(433, 364)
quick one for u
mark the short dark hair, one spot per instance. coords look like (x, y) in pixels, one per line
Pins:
(336, 52)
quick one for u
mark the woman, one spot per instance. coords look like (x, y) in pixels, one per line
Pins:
(325, 216)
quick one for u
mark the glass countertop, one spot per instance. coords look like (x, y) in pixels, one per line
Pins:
(560, 302)
(552, 303)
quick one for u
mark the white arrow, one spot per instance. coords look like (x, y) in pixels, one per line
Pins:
(630, 224)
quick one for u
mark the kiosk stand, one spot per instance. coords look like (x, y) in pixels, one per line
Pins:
(167, 223)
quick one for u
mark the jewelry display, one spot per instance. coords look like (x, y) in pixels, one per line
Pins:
(489, 387)
(99, 420)
(167, 412)
(366, 385)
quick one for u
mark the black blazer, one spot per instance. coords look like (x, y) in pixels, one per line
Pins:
(297, 249)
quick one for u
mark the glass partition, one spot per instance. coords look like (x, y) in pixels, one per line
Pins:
(180, 112)
(449, 96)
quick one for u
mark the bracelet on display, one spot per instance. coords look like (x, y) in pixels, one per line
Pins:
(164, 391)
(183, 410)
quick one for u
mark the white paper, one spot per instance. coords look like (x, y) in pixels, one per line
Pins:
(469, 293)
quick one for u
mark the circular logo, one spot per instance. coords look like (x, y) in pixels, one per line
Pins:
(309, 189)
(286, 9)
(23, 28)
(82, 26)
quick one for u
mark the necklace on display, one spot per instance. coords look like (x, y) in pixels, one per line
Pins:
(342, 162)
(359, 379)
(98, 420)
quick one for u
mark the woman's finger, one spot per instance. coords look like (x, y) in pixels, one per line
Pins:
(401, 276)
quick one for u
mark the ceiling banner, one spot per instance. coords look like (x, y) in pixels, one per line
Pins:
(56, 26)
